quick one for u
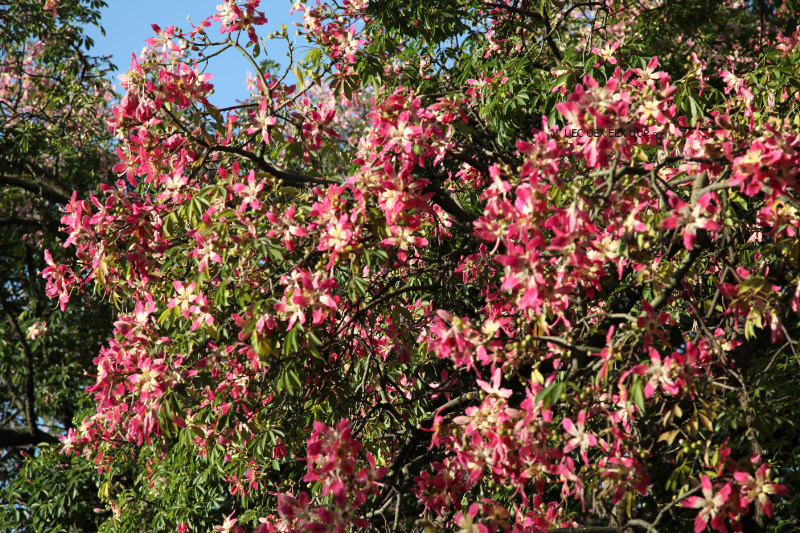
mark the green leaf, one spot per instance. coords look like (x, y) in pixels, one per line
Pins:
(638, 396)
(550, 394)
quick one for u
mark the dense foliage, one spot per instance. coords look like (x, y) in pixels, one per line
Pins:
(54, 104)
(482, 266)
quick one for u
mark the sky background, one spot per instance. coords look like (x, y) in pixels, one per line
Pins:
(128, 24)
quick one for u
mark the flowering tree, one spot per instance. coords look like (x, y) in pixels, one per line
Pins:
(53, 107)
(480, 266)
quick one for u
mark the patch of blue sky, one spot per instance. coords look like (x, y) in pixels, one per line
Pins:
(128, 24)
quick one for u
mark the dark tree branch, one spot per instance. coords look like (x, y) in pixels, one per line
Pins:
(16, 438)
(47, 190)
(535, 16)
(448, 204)
(676, 278)
(30, 222)
(289, 177)
(30, 412)
(19, 221)
(292, 178)
(550, 42)
(608, 529)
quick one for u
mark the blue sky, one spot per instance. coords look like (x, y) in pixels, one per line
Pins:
(127, 25)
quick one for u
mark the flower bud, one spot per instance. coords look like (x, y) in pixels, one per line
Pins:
(723, 121)
(669, 91)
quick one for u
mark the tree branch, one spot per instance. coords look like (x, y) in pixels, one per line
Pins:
(17, 438)
(443, 200)
(46, 190)
(288, 176)
(676, 278)
(30, 222)
(30, 414)
(608, 529)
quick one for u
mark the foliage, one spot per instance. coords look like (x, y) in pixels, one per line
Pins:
(54, 104)
(486, 266)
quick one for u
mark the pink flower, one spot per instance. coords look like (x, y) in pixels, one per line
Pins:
(69, 441)
(149, 381)
(51, 6)
(262, 120)
(59, 278)
(228, 525)
(304, 291)
(185, 297)
(691, 218)
(205, 250)
(759, 488)
(711, 505)
(233, 18)
(494, 388)
(580, 437)
(249, 191)
(652, 323)
(466, 521)
(163, 39)
(202, 312)
(661, 372)
(36, 330)
(606, 53)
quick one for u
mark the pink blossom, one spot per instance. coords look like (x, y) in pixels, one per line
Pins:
(580, 437)
(711, 505)
(494, 388)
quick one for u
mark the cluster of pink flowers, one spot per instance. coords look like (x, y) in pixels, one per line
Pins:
(304, 291)
(723, 502)
(331, 454)
(543, 248)
(234, 17)
(59, 279)
(770, 160)
(637, 102)
(404, 135)
(129, 385)
(335, 29)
